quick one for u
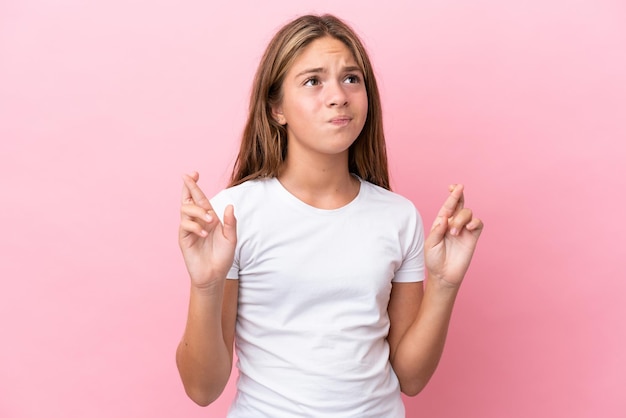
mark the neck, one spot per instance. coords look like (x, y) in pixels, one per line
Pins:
(325, 183)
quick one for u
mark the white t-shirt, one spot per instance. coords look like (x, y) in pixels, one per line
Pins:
(314, 287)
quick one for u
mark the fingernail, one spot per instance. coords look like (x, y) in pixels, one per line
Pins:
(209, 217)
(454, 231)
(203, 233)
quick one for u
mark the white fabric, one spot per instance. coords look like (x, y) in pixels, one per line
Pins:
(314, 287)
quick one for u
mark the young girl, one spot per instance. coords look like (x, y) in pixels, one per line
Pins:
(318, 281)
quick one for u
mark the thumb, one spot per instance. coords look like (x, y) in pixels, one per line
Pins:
(230, 224)
(437, 232)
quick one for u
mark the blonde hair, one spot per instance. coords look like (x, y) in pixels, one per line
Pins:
(264, 141)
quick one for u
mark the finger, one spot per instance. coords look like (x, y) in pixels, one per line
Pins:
(194, 192)
(453, 203)
(437, 232)
(475, 225)
(188, 226)
(459, 221)
(461, 202)
(187, 198)
(197, 213)
(230, 224)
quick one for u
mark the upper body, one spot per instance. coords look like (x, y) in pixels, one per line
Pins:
(314, 287)
(353, 294)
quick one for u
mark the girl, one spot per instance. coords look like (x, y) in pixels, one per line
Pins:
(320, 275)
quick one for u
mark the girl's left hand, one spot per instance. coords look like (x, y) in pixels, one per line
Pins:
(450, 245)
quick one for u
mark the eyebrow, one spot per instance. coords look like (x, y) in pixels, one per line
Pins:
(318, 70)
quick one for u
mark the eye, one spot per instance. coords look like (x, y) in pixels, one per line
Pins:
(310, 82)
(352, 79)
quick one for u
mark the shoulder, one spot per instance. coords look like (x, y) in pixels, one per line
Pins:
(245, 195)
(376, 195)
(391, 209)
(235, 192)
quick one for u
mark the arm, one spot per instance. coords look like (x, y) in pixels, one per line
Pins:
(419, 324)
(204, 355)
(419, 315)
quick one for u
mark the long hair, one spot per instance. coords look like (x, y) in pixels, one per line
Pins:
(264, 141)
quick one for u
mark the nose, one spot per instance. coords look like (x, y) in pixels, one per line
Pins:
(336, 94)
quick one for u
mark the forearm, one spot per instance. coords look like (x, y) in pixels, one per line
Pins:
(420, 348)
(203, 358)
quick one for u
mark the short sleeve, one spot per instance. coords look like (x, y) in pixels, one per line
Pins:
(411, 235)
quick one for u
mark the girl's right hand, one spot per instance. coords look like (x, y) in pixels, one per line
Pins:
(208, 246)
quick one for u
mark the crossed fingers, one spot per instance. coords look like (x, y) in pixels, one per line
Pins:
(196, 210)
(457, 215)
(192, 194)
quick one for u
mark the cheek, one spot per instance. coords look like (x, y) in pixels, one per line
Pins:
(300, 111)
(303, 103)
(361, 97)
(364, 104)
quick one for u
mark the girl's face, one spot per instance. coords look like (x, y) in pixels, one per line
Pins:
(324, 101)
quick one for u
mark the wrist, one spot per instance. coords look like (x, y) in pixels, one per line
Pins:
(208, 288)
(439, 284)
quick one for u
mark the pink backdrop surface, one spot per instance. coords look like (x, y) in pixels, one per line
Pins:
(103, 105)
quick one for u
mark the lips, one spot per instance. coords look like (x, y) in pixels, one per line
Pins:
(340, 120)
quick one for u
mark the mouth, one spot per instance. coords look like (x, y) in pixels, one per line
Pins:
(340, 120)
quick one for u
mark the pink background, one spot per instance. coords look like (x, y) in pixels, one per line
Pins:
(103, 105)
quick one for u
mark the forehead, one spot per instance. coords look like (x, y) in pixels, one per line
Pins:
(322, 50)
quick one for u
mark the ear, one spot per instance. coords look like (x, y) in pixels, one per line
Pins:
(277, 114)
